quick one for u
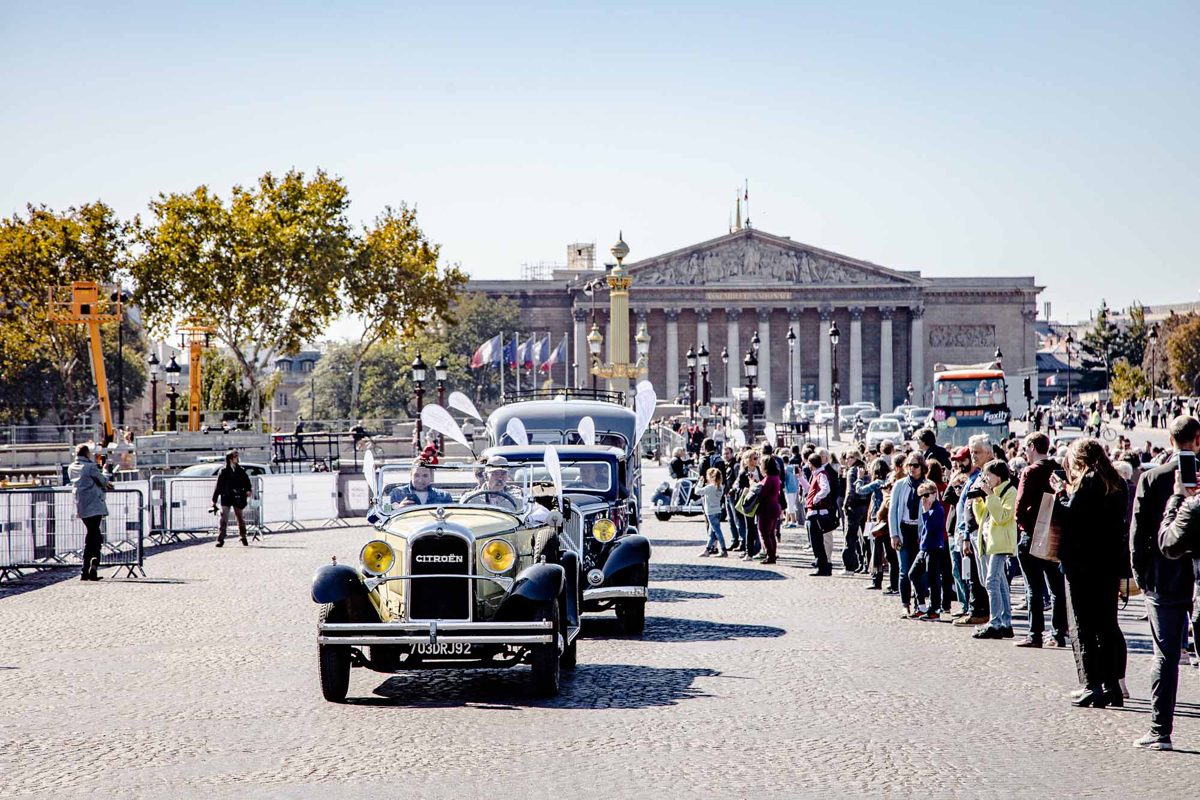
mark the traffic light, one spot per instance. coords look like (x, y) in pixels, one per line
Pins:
(1028, 388)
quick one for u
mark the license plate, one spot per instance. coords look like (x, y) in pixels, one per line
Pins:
(443, 649)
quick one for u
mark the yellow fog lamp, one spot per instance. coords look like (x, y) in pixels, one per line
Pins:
(377, 557)
(604, 530)
(497, 556)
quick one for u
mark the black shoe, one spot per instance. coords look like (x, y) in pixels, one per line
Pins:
(244, 542)
(817, 574)
(872, 587)
(93, 566)
(988, 633)
(1095, 698)
(83, 576)
(1114, 698)
(220, 542)
(891, 591)
(1006, 633)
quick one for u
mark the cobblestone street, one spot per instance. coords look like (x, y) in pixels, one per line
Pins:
(750, 681)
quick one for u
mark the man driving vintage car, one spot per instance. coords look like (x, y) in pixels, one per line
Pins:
(419, 491)
(496, 492)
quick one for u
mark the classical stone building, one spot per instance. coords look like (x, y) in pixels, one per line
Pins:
(895, 325)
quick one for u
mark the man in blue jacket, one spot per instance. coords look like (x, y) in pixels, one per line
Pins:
(419, 490)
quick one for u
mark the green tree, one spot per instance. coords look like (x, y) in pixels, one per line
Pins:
(1099, 344)
(265, 268)
(1128, 381)
(1131, 343)
(479, 318)
(394, 288)
(1182, 347)
(40, 251)
(1156, 362)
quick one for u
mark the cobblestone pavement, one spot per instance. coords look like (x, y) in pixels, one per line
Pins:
(750, 681)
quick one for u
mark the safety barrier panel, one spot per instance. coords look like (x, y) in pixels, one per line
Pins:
(189, 510)
(39, 529)
(288, 500)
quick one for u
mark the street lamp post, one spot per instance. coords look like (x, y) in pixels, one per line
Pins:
(691, 364)
(791, 340)
(834, 336)
(725, 367)
(441, 370)
(1153, 342)
(751, 364)
(153, 363)
(121, 296)
(418, 376)
(172, 371)
(703, 356)
(1071, 341)
(594, 339)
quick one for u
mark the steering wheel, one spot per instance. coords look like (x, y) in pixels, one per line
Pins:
(468, 499)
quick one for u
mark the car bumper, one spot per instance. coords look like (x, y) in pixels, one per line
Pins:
(363, 634)
(615, 593)
(669, 509)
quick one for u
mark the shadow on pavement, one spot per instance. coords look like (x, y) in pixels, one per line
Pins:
(680, 595)
(674, 629)
(697, 542)
(622, 686)
(710, 572)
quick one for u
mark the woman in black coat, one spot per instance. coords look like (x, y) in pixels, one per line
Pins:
(234, 491)
(1091, 507)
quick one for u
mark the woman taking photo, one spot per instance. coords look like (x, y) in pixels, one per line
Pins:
(1090, 502)
(995, 510)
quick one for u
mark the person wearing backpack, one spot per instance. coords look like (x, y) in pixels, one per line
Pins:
(748, 478)
(855, 509)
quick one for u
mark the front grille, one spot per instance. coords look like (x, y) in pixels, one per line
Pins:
(573, 529)
(440, 598)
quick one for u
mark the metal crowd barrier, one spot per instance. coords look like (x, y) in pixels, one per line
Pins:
(39, 529)
(188, 511)
(289, 500)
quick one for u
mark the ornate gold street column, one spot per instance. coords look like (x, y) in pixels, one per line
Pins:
(619, 371)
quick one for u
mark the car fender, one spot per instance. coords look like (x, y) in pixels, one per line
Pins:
(332, 583)
(535, 585)
(630, 551)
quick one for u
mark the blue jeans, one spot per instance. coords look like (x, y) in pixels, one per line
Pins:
(737, 524)
(997, 591)
(910, 545)
(960, 583)
(715, 536)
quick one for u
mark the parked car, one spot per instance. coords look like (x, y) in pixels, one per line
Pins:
(884, 430)
(615, 558)
(823, 415)
(808, 411)
(209, 468)
(484, 580)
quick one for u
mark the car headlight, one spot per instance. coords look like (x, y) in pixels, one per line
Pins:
(498, 556)
(377, 557)
(604, 530)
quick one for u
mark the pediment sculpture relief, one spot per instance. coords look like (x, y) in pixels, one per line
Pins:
(754, 260)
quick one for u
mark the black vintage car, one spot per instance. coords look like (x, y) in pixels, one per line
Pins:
(600, 525)
(465, 571)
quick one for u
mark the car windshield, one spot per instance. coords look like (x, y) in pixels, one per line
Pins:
(919, 413)
(470, 484)
(198, 471)
(578, 476)
(885, 426)
(869, 413)
(969, 392)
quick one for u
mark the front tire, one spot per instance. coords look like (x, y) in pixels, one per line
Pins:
(632, 616)
(570, 654)
(547, 667)
(333, 660)
(662, 516)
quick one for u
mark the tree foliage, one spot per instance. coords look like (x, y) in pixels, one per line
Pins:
(264, 268)
(1128, 382)
(394, 287)
(1156, 362)
(1182, 348)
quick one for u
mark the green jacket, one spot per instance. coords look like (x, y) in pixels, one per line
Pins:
(997, 520)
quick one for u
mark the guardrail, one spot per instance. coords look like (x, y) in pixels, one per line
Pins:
(39, 529)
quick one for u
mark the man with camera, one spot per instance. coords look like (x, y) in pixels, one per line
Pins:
(233, 490)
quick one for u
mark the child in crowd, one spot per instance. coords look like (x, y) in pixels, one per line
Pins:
(928, 568)
(712, 493)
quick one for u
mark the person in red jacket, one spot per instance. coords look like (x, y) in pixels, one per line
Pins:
(769, 508)
(1039, 573)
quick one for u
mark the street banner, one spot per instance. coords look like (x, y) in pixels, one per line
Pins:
(460, 401)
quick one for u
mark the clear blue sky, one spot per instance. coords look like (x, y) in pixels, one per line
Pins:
(1051, 138)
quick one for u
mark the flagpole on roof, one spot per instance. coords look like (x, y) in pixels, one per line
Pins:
(502, 367)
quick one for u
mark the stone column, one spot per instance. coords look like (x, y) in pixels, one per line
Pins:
(583, 362)
(797, 390)
(734, 347)
(672, 352)
(886, 402)
(824, 364)
(765, 356)
(918, 355)
(702, 327)
(856, 378)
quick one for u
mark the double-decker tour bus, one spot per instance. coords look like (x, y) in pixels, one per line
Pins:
(969, 399)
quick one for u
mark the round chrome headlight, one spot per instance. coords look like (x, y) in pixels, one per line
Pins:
(604, 530)
(497, 556)
(377, 557)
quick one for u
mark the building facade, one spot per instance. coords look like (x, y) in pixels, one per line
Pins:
(894, 325)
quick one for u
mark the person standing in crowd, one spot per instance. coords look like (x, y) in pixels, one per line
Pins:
(904, 519)
(819, 513)
(927, 442)
(711, 492)
(928, 568)
(1092, 504)
(871, 487)
(791, 490)
(979, 611)
(88, 486)
(854, 556)
(737, 529)
(1158, 527)
(1034, 482)
(233, 490)
(769, 507)
(678, 468)
(468, 432)
(747, 477)
(994, 506)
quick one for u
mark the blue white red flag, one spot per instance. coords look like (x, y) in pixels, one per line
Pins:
(1052, 380)
(559, 354)
(488, 353)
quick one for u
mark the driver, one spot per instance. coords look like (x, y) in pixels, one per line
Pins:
(592, 475)
(496, 491)
(420, 491)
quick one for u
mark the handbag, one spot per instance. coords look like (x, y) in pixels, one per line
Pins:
(1047, 532)
(747, 504)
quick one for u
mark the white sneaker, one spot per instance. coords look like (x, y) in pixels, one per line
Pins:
(1153, 741)
(1124, 689)
(1078, 693)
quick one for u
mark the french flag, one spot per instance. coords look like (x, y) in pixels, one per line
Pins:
(488, 353)
(559, 354)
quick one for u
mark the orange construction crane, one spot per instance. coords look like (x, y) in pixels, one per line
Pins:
(197, 335)
(90, 305)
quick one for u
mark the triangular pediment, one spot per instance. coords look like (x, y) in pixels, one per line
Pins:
(753, 258)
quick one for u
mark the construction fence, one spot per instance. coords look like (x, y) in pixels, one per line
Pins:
(40, 530)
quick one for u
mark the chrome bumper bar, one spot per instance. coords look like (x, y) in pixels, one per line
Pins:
(505, 583)
(615, 593)
(697, 509)
(381, 633)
